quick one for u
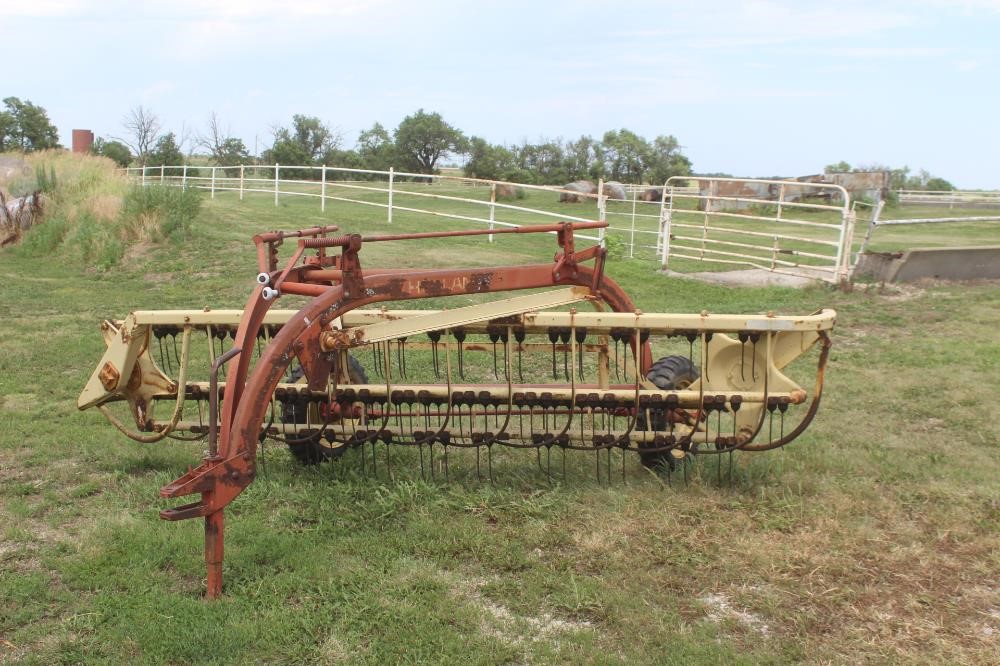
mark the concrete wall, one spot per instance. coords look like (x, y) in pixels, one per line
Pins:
(946, 263)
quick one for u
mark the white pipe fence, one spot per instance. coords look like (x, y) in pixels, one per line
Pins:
(950, 198)
(249, 179)
(755, 223)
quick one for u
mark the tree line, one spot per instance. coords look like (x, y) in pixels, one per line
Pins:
(420, 143)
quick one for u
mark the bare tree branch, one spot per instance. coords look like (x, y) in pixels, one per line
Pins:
(142, 129)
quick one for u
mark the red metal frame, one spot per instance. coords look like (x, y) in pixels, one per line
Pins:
(337, 284)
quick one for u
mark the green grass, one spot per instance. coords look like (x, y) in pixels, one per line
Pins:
(871, 538)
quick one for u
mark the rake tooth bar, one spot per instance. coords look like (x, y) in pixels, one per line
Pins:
(296, 377)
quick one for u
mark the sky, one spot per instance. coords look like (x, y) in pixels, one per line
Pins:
(748, 87)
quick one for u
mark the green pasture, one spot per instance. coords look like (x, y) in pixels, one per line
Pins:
(872, 538)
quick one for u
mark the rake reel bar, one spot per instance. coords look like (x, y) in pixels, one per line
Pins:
(574, 380)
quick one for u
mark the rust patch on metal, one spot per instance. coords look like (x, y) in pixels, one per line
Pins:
(109, 376)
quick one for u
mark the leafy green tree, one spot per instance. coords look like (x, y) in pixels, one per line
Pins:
(8, 131)
(348, 159)
(625, 155)
(113, 150)
(583, 159)
(26, 127)
(839, 167)
(312, 135)
(488, 161)
(308, 142)
(166, 152)
(546, 160)
(423, 138)
(665, 160)
(938, 184)
(225, 149)
(375, 148)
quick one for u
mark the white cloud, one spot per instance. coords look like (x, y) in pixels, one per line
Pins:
(968, 65)
(10, 9)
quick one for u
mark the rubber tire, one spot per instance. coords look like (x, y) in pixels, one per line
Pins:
(314, 451)
(669, 373)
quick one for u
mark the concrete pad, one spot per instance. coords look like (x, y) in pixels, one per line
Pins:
(753, 277)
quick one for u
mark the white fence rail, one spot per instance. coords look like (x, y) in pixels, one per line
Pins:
(384, 189)
(753, 223)
(952, 198)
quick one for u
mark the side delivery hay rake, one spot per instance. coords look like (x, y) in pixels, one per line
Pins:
(332, 376)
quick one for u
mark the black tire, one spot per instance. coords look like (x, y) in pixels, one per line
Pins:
(313, 450)
(669, 373)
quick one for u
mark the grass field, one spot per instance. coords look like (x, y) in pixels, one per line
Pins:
(871, 538)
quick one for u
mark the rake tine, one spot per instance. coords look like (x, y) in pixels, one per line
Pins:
(704, 352)
(459, 335)
(159, 340)
(564, 337)
(495, 333)
(618, 369)
(519, 336)
(548, 464)
(435, 337)
(177, 356)
(553, 338)
(401, 357)
(581, 336)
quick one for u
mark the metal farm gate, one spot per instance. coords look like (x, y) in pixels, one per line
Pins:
(791, 227)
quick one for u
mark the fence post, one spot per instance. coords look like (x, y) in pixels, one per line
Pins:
(144, 174)
(392, 175)
(876, 213)
(213, 182)
(666, 218)
(161, 174)
(322, 191)
(600, 210)
(241, 182)
(493, 202)
(631, 242)
(184, 178)
(276, 184)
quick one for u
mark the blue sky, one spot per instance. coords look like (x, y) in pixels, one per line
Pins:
(752, 88)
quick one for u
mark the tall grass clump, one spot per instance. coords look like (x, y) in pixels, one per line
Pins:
(92, 209)
(158, 212)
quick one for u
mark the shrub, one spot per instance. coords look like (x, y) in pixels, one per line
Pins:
(155, 212)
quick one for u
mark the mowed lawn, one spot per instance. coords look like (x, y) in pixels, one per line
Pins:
(873, 537)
